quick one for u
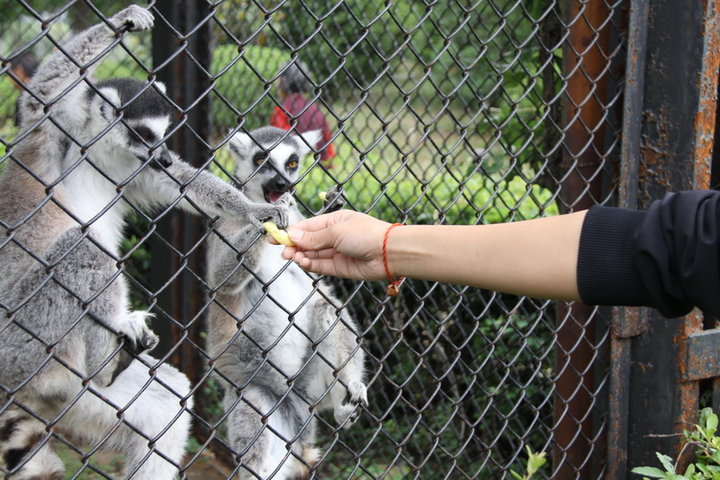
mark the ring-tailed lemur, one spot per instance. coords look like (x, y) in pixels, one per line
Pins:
(65, 320)
(278, 339)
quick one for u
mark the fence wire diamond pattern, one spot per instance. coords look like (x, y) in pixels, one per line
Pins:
(435, 112)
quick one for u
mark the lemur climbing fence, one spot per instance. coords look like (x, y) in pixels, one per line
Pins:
(441, 112)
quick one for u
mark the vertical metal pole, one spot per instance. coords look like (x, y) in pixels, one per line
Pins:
(678, 118)
(181, 27)
(585, 69)
(627, 322)
(715, 166)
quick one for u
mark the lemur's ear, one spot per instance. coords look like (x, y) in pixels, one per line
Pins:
(109, 102)
(161, 87)
(308, 141)
(241, 144)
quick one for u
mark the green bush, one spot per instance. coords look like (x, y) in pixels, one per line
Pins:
(447, 198)
(243, 83)
(707, 453)
(9, 95)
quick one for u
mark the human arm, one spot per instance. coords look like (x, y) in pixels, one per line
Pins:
(512, 257)
(667, 257)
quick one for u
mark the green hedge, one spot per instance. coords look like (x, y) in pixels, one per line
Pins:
(455, 197)
(241, 92)
(9, 95)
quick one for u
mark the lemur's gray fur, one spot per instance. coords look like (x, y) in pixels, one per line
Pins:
(287, 344)
(65, 321)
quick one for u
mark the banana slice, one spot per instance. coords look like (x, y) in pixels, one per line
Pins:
(280, 236)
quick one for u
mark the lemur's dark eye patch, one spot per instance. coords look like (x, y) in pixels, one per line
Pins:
(292, 162)
(259, 158)
(144, 134)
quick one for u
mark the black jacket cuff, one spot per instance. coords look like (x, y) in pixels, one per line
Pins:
(606, 270)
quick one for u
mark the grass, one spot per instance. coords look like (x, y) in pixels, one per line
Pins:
(109, 464)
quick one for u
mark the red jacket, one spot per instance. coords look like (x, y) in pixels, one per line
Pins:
(295, 109)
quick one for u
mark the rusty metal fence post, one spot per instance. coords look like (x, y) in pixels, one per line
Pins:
(669, 128)
(587, 56)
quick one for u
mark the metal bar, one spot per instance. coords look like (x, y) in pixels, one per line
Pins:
(707, 85)
(163, 260)
(185, 80)
(702, 356)
(632, 104)
(627, 322)
(585, 67)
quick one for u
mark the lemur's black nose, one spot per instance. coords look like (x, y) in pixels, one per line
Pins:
(163, 157)
(279, 184)
(160, 156)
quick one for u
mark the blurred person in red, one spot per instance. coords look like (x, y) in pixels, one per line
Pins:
(297, 112)
(21, 70)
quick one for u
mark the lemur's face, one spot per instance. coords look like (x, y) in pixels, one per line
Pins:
(268, 160)
(145, 120)
(145, 140)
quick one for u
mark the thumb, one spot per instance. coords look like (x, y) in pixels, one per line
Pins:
(308, 240)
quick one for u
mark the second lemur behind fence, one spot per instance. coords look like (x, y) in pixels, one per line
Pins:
(279, 342)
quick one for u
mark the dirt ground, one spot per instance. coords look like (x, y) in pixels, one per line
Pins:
(207, 468)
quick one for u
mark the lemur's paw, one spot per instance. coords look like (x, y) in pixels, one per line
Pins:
(347, 413)
(140, 337)
(134, 18)
(334, 199)
(137, 338)
(286, 199)
(278, 212)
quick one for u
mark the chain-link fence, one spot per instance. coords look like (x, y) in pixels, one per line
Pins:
(453, 112)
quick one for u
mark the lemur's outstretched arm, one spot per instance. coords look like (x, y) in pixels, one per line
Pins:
(57, 74)
(192, 189)
(216, 197)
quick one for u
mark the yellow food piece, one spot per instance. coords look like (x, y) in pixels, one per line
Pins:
(323, 196)
(280, 236)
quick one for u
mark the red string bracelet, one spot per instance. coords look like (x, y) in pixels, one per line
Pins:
(393, 287)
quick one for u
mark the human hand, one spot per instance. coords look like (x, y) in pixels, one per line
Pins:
(343, 244)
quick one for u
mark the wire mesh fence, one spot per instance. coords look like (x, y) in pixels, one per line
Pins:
(451, 112)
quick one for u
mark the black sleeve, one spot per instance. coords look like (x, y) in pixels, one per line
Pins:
(667, 258)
